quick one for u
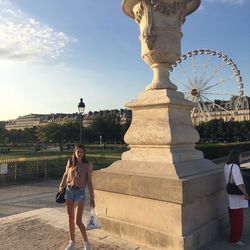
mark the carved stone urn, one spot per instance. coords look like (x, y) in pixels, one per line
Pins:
(161, 129)
(160, 34)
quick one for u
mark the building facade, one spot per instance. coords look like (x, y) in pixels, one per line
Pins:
(35, 120)
(122, 115)
(230, 110)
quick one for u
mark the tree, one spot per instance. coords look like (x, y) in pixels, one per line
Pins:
(2, 135)
(56, 133)
(14, 136)
(245, 129)
(229, 131)
(90, 135)
(29, 135)
(100, 126)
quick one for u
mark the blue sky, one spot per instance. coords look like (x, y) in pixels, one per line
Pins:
(52, 53)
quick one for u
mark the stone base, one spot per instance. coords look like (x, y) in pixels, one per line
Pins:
(159, 240)
(158, 210)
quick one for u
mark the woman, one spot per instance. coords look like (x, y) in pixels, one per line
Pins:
(236, 202)
(77, 175)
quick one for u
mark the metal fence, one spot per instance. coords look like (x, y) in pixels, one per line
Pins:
(22, 171)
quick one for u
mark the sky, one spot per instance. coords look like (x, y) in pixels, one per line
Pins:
(52, 53)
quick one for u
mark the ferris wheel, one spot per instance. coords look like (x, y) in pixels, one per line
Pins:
(212, 80)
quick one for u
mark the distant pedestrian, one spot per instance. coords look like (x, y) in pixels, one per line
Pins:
(77, 175)
(236, 202)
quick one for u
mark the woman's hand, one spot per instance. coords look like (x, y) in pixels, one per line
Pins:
(244, 191)
(92, 203)
(61, 189)
(246, 196)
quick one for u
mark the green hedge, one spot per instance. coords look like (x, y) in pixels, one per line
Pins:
(213, 151)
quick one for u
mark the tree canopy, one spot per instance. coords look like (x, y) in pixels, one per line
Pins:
(108, 127)
(219, 130)
(109, 130)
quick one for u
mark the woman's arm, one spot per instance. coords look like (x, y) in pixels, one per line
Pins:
(238, 180)
(244, 191)
(90, 185)
(64, 178)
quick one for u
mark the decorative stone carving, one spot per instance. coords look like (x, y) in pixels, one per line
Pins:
(139, 13)
(164, 8)
(168, 9)
(160, 34)
(148, 31)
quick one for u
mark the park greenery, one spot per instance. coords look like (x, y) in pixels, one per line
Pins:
(220, 131)
(39, 153)
(217, 138)
(108, 128)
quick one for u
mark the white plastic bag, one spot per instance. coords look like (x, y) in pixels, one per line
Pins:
(93, 221)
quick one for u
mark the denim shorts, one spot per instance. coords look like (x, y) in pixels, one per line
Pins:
(75, 194)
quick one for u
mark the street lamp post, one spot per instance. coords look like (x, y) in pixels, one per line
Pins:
(81, 108)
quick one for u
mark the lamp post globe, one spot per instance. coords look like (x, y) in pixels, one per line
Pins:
(81, 108)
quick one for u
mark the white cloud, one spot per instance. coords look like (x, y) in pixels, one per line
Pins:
(236, 2)
(4, 2)
(25, 39)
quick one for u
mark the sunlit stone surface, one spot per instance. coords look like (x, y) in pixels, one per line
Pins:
(162, 193)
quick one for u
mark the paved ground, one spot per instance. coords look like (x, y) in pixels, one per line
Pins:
(31, 219)
(29, 215)
(21, 198)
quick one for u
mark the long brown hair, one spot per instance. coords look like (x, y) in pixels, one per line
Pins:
(234, 157)
(74, 159)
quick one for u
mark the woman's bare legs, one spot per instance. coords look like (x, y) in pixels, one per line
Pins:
(79, 223)
(71, 214)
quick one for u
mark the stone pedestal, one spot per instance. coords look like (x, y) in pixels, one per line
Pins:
(162, 193)
(158, 211)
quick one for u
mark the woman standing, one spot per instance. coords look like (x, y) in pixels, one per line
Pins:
(236, 202)
(77, 175)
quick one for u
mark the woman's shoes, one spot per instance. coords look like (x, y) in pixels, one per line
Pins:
(240, 243)
(87, 246)
(71, 245)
